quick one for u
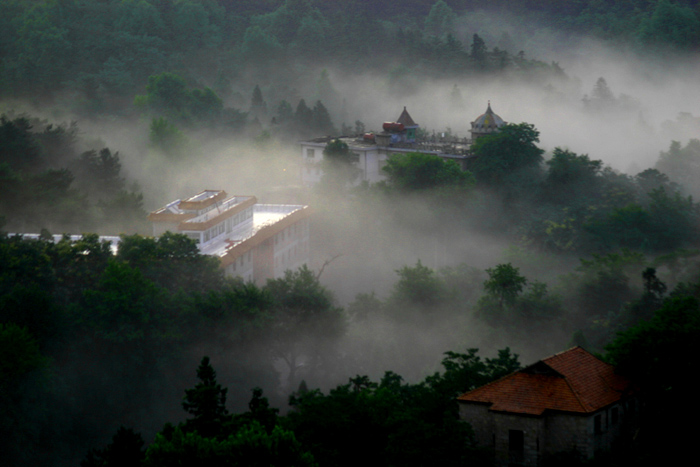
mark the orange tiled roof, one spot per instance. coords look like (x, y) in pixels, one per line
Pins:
(570, 381)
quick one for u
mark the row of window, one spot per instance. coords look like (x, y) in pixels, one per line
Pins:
(297, 229)
(206, 209)
(241, 261)
(226, 226)
(238, 218)
(285, 259)
(313, 170)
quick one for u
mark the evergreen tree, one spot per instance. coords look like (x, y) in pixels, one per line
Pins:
(478, 52)
(258, 106)
(326, 92)
(206, 402)
(100, 173)
(321, 120)
(440, 20)
(456, 100)
(285, 114)
(303, 117)
(671, 25)
(601, 91)
(125, 450)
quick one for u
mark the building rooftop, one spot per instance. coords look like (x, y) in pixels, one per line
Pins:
(405, 119)
(226, 205)
(112, 239)
(456, 147)
(264, 216)
(488, 120)
(571, 381)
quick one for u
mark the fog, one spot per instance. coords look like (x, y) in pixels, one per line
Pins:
(627, 134)
(361, 238)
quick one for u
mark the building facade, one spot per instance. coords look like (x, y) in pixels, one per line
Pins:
(254, 241)
(570, 402)
(398, 137)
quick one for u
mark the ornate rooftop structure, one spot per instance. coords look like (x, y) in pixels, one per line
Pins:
(486, 124)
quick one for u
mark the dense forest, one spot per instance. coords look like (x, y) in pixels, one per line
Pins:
(576, 226)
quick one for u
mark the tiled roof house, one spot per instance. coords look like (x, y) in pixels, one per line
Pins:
(571, 401)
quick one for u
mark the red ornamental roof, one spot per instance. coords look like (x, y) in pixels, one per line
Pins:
(571, 381)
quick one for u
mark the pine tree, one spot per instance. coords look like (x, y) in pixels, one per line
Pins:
(206, 402)
(321, 119)
(303, 117)
(478, 52)
(258, 106)
(601, 91)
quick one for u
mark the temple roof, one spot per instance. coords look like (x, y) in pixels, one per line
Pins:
(406, 119)
(488, 120)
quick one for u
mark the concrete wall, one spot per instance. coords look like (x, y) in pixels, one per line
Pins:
(291, 248)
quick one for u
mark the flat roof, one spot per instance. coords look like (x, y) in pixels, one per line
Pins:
(230, 203)
(206, 194)
(457, 148)
(264, 215)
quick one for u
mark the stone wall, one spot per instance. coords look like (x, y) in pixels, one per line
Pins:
(534, 438)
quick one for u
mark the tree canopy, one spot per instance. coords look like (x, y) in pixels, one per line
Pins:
(412, 172)
(506, 157)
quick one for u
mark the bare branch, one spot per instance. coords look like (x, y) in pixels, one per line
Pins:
(326, 263)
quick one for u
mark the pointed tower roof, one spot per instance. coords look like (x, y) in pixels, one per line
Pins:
(406, 119)
(488, 121)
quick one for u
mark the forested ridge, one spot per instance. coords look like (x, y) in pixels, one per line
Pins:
(149, 355)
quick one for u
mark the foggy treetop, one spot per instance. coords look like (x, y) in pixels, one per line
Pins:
(106, 50)
(110, 108)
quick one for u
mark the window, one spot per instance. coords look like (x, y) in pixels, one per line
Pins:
(310, 153)
(516, 446)
(516, 440)
(597, 425)
(615, 415)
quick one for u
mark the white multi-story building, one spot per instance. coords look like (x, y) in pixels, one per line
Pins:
(254, 241)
